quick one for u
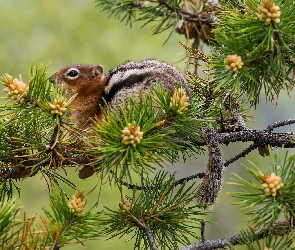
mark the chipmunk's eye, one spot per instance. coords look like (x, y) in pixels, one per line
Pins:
(73, 73)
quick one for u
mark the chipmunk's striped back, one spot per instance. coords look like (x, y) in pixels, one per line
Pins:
(130, 78)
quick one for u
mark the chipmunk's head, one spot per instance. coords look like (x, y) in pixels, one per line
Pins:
(88, 82)
(82, 79)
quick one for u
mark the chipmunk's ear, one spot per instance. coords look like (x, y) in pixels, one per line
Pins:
(96, 71)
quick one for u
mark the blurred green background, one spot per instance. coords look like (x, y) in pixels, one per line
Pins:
(64, 32)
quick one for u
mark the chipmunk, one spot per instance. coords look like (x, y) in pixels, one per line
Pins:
(91, 84)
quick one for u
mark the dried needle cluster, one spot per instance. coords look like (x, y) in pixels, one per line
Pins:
(77, 203)
(131, 135)
(125, 205)
(269, 12)
(179, 101)
(15, 89)
(58, 107)
(271, 184)
(233, 63)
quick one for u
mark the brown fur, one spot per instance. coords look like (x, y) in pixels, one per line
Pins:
(89, 86)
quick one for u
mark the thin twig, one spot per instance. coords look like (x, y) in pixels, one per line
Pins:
(280, 124)
(200, 175)
(54, 137)
(203, 223)
(278, 228)
(231, 104)
(136, 187)
(240, 120)
(242, 154)
(179, 182)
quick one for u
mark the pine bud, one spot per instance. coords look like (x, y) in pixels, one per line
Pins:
(131, 135)
(233, 63)
(271, 184)
(15, 89)
(77, 203)
(125, 205)
(179, 101)
(268, 13)
(58, 107)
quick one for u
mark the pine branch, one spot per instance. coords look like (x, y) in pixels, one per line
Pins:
(164, 12)
(280, 124)
(149, 234)
(178, 182)
(198, 18)
(211, 184)
(278, 228)
(203, 224)
(240, 120)
(164, 216)
(261, 137)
